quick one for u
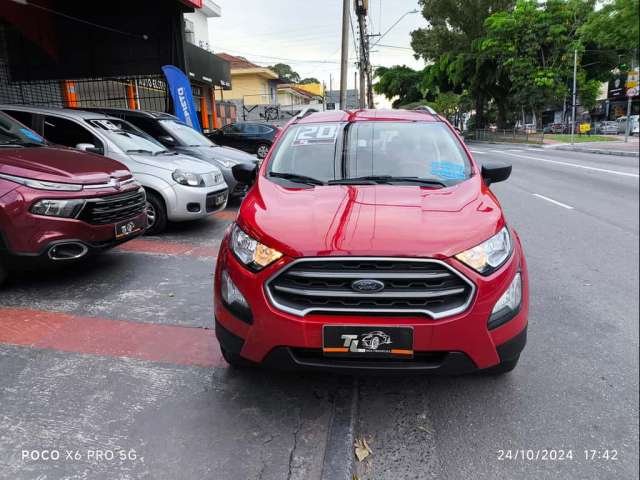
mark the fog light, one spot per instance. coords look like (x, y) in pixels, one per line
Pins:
(508, 305)
(233, 298)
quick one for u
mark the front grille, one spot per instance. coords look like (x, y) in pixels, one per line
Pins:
(411, 286)
(114, 208)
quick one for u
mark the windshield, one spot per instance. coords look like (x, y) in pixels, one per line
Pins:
(128, 137)
(378, 152)
(14, 133)
(185, 134)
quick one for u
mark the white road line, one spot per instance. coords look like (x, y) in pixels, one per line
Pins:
(595, 169)
(477, 151)
(560, 204)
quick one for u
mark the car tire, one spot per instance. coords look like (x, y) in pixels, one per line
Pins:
(235, 360)
(262, 150)
(156, 214)
(504, 367)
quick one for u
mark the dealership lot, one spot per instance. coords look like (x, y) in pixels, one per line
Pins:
(115, 360)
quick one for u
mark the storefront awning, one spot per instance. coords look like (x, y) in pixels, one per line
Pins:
(205, 67)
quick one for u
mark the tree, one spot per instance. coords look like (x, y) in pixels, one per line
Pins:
(451, 41)
(308, 80)
(533, 46)
(398, 81)
(614, 26)
(285, 72)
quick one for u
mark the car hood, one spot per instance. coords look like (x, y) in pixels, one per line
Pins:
(175, 161)
(385, 220)
(222, 153)
(57, 164)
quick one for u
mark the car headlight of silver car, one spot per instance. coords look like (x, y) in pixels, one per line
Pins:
(490, 255)
(41, 185)
(57, 208)
(187, 178)
(251, 252)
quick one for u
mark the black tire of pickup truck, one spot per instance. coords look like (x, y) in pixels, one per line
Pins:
(3, 273)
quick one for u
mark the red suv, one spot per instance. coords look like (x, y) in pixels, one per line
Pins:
(58, 204)
(371, 241)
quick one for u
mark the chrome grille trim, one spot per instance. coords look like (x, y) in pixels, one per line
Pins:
(371, 275)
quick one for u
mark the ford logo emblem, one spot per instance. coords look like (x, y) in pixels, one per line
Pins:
(367, 286)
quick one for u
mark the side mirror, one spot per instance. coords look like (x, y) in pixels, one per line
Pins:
(245, 173)
(167, 141)
(89, 147)
(493, 172)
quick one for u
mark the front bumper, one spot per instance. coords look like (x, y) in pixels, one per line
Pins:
(457, 344)
(24, 234)
(182, 200)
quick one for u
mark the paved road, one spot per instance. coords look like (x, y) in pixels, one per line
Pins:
(117, 355)
(577, 383)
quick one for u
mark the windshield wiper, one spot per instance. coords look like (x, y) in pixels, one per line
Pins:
(385, 179)
(297, 178)
(140, 151)
(21, 144)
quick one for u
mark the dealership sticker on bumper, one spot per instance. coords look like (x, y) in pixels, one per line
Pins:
(363, 341)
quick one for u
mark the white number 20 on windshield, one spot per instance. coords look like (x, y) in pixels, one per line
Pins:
(316, 134)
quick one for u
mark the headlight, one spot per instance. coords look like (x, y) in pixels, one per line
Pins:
(508, 305)
(187, 178)
(57, 208)
(40, 185)
(249, 251)
(487, 257)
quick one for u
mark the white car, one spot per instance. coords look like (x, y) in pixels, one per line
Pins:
(178, 187)
(622, 124)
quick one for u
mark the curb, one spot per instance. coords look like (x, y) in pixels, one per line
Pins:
(596, 150)
(533, 145)
(339, 459)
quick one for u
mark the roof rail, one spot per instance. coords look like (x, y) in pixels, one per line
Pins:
(305, 112)
(427, 109)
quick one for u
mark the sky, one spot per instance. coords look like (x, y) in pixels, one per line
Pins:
(306, 34)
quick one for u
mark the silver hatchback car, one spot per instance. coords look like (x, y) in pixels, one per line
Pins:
(178, 187)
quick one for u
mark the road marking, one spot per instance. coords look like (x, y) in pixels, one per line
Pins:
(568, 164)
(477, 151)
(563, 205)
(111, 338)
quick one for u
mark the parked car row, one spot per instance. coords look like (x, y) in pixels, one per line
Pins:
(606, 127)
(251, 137)
(73, 182)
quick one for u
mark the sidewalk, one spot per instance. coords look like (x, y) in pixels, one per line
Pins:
(620, 148)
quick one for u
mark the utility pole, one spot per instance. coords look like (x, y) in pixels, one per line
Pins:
(632, 71)
(573, 103)
(366, 99)
(344, 60)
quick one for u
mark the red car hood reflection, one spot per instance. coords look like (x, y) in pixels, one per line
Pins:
(369, 220)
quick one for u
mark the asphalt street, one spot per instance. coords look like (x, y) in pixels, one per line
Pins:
(117, 355)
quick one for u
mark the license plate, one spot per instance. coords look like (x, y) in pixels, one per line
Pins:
(129, 227)
(367, 341)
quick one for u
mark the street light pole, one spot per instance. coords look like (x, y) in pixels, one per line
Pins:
(344, 60)
(573, 104)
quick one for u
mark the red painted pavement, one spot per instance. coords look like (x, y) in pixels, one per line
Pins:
(113, 338)
(157, 247)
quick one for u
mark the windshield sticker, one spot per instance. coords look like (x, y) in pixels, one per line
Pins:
(448, 170)
(314, 134)
(32, 135)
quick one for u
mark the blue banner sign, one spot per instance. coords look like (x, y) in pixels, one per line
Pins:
(180, 90)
